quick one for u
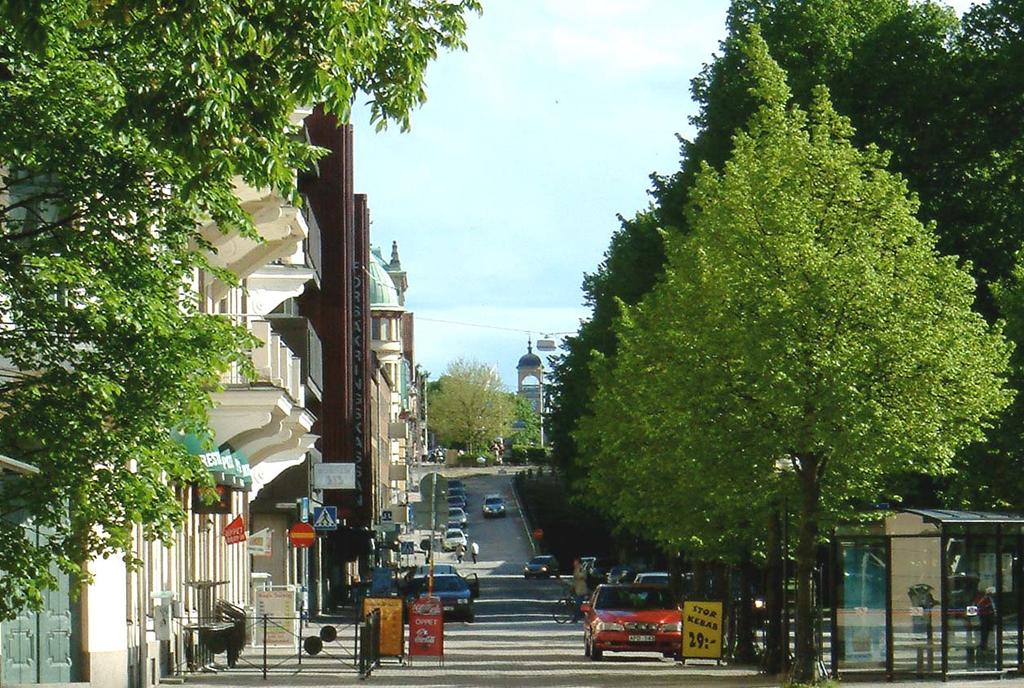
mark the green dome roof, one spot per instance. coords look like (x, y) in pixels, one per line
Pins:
(383, 294)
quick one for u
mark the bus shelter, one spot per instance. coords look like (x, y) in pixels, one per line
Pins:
(928, 592)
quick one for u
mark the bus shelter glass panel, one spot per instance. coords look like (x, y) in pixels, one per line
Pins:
(916, 591)
(972, 563)
(1007, 600)
(860, 608)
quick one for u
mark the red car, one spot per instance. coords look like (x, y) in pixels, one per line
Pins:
(631, 618)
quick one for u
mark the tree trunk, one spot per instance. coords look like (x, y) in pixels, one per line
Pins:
(772, 662)
(745, 651)
(806, 654)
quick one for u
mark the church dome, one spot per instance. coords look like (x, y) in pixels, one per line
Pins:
(383, 293)
(529, 359)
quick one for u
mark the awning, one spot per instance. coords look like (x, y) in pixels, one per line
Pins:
(229, 467)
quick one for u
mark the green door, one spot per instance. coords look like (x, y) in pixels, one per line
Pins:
(37, 647)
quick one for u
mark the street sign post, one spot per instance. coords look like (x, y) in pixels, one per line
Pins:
(301, 535)
(325, 518)
(334, 476)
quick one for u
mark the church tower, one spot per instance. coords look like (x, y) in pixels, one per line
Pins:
(531, 378)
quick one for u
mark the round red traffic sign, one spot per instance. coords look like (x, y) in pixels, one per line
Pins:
(301, 535)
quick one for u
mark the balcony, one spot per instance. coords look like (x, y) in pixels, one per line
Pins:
(279, 225)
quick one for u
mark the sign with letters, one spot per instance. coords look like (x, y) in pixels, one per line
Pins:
(334, 476)
(702, 630)
(426, 628)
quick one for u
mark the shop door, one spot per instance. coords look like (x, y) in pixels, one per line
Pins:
(37, 647)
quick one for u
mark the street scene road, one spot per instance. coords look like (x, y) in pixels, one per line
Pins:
(513, 640)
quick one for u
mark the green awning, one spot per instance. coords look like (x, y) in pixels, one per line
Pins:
(228, 467)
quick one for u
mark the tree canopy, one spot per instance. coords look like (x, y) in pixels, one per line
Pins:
(469, 406)
(122, 126)
(806, 322)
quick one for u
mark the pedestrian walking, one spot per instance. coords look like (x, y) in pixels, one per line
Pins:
(460, 552)
(474, 549)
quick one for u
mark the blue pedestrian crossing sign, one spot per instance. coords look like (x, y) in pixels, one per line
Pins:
(325, 518)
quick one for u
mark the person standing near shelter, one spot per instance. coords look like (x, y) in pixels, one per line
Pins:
(460, 552)
(579, 587)
(474, 550)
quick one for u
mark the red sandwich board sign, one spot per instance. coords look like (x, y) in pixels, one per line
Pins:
(301, 535)
(234, 532)
(426, 628)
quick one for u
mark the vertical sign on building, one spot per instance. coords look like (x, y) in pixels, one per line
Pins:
(360, 353)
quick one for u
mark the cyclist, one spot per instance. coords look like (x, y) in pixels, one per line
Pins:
(579, 587)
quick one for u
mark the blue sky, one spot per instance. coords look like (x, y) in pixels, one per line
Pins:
(506, 189)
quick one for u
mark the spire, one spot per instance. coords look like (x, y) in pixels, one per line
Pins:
(529, 345)
(396, 263)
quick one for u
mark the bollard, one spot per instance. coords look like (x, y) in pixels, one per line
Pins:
(264, 647)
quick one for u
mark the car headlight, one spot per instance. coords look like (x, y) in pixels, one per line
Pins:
(461, 601)
(543, 568)
(609, 626)
(677, 626)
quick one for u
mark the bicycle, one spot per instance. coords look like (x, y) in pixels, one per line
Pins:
(566, 608)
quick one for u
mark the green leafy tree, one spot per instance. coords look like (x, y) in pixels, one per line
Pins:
(808, 324)
(470, 406)
(123, 125)
(525, 423)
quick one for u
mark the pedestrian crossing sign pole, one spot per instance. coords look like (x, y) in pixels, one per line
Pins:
(325, 518)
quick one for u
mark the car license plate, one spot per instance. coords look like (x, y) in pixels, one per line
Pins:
(641, 638)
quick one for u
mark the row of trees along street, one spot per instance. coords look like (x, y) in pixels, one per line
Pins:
(820, 307)
(122, 126)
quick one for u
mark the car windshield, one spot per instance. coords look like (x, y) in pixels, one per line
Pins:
(447, 583)
(454, 534)
(493, 501)
(653, 578)
(634, 599)
(541, 560)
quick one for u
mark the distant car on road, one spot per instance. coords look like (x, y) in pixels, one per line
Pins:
(631, 618)
(494, 505)
(453, 538)
(652, 578)
(621, 573)
(597, 571)
(542, 566)
(458, 514)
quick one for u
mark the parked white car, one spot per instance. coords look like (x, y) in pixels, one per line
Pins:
(458, 514)
(453, 538)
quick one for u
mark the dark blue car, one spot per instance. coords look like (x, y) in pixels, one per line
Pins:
(456, 594)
